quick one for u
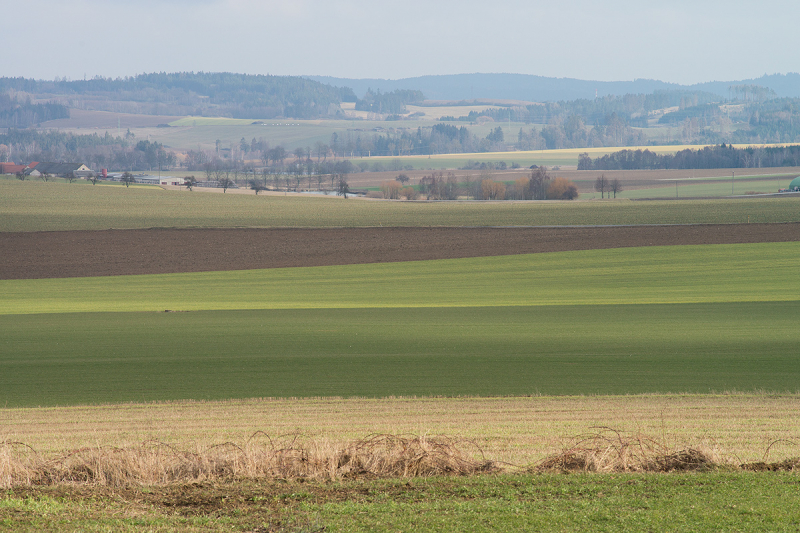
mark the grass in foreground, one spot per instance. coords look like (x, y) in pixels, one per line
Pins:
(38, 206)
(712, 500)
(624, 502)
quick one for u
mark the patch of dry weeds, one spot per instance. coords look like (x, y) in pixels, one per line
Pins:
(324, 438)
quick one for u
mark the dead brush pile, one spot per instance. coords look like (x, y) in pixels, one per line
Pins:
(610, 450)
(287, 457)
(291, 457)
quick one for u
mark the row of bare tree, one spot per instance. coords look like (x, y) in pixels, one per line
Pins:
(602, 184)
(538, 186)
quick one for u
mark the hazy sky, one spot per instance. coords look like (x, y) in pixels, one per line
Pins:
(676, 41)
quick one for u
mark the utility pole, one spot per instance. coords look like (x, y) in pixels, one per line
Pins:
(733, 175)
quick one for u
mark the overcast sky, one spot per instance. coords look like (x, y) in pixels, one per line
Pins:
(677, 41)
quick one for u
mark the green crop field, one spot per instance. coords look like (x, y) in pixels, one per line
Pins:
(38, 206)
(79, 358)
(718, 188)
(662, 319)
(651, 275)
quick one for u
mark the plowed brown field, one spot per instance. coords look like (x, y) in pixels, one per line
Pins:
(156, 251)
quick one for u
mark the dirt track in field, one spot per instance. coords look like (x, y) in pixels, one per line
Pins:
(62, 254)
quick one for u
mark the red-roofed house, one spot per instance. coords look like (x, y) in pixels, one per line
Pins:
(11, 168)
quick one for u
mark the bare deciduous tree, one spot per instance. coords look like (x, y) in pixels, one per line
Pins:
(615, 186)
(410, 193)
(226, 183)
(601, 184)
(493, 190)
(257, 186)
(538, 183)
(391, 189)
(342, 187)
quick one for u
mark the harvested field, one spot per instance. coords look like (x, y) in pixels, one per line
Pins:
(519, 431)
(35, 255)
(501, 434)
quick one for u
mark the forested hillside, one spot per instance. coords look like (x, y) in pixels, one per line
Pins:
(16, 114)
(721, 156)
(543, 89)
(188, 93)
(751, 114)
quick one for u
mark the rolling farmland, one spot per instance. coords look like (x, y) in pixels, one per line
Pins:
(515, 355)
(509, 325)
(37, 206)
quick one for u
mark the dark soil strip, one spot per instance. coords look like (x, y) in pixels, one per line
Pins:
(62, 254)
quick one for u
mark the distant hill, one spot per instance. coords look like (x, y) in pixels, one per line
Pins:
(784, 85)
(541, 89)
(191, 93)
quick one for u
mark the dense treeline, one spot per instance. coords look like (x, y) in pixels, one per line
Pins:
(537, 186)
(606, 121)
(775, 120)
(185, 93)
(621, 120)
(574, 133)
(31, 141)
(14, 114)
(439, 139)
(96, 151)
(631, 108)
(675, 117)
(721, 156)
(392, 103)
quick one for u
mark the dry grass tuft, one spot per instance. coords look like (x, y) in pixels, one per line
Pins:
(787, 465)
(610, 450)
(293, 457)
(287, 457)
(398, 456)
